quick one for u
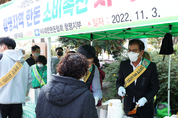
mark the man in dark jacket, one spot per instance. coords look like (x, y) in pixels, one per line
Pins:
(65, 96)
(35, 53)
(141, 85)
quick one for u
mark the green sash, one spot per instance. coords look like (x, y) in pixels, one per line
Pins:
(88, 74)
(37, 75)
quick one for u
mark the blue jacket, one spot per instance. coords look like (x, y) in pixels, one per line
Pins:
(65, 97)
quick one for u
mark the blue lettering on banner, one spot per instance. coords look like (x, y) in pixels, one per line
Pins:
(62, 7)
(31, 17)
(5, 26)
(15, 21)
(10, 23)
(36, 15)
(21, 19)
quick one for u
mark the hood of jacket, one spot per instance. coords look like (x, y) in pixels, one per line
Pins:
(61, 89)
(15, 55)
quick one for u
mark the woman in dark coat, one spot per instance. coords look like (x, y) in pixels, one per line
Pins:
(65, 96)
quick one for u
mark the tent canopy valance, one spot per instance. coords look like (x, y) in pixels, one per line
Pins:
(130, 33)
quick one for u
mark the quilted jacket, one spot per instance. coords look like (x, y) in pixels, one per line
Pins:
(65, 97)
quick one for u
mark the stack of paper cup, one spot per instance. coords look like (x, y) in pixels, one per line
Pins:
(115, 109)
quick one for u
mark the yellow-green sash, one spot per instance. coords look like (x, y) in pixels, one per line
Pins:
(37, 75)
(137, 72)
(88, 73)
(11, 74)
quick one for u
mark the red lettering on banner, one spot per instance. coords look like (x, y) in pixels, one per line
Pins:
(102, 2)
(89, 23)
(98, 21)
(109, 3)
(29, 33)
(133, 0)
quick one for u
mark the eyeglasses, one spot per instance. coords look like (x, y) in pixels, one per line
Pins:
(134, 50)
(91, 62)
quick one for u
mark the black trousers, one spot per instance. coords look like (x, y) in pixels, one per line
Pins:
(11, 110)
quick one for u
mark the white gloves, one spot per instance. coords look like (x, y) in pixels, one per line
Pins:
(121, 91)
(96, 100)
(141, 102)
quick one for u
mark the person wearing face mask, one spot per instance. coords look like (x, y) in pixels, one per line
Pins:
(35, 53)
(39, 72)
(138, 81)
(92, 77)
(55, 60)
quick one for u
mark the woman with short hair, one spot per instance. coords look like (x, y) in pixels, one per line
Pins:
(39, 72)
(65, 96)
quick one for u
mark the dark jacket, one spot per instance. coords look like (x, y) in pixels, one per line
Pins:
(65, 97)
(147, 86)
(30, 61)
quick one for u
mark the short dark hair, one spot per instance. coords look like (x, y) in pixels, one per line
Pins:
(10, 43)
(59, 48)
(87, 50)
(73, 65)
(59, 53)
(34, 48)
(138, 42)
(71, 52)
(96, 61)
(42, 59)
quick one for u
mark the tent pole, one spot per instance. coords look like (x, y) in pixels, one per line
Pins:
(91, 39)
(49, 59)
(169, 84)
(91, 43)
(169, 71)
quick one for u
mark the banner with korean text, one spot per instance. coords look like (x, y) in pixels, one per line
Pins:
(28, 19)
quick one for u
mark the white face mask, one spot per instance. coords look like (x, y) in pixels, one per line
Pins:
(133, 56)
(40, 65)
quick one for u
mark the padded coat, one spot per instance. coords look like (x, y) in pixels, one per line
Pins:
(65, 97)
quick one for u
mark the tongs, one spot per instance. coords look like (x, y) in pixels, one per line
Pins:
(134, 111)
